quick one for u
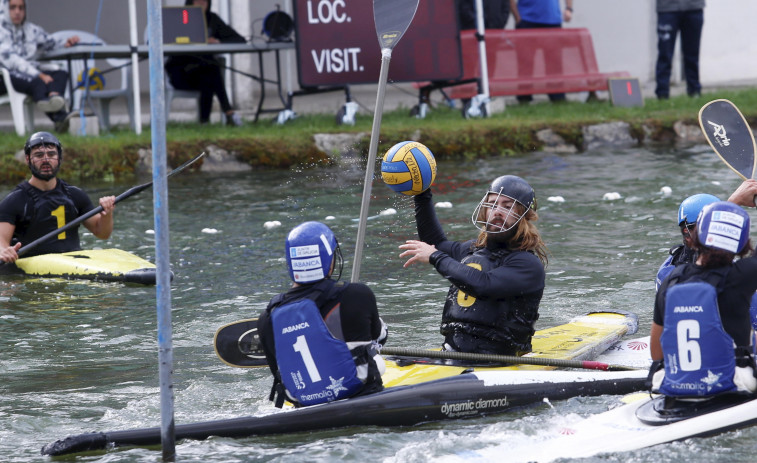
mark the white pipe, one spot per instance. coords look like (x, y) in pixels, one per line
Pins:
(133, 41)
(482, 53)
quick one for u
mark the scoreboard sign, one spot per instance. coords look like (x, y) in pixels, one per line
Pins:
(336, 43)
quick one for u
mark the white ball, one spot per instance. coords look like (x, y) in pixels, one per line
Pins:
(443, 205)
(556, 199)
(611, 196)
(271, 224)
(666, 191)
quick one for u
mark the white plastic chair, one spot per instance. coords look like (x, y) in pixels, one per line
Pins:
(105, 96)
(22, 106)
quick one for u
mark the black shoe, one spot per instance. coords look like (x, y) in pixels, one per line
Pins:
(62, 123)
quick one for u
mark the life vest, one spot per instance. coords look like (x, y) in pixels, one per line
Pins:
(699, 355)
(500, 326)
(51, 210)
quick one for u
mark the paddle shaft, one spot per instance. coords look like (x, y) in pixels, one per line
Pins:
(392, 19)
(128, 193)
(386, 56)
(514, 359)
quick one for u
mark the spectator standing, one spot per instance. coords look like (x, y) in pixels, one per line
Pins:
(531, 14)
(20, 42)
(686, 17)
(204, 72)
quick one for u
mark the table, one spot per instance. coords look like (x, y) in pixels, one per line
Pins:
(89, 51)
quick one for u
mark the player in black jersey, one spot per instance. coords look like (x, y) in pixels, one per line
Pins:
(45, 203)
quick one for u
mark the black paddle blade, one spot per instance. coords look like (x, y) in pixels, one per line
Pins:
(392, 18)
(729, 135)
(238, 345)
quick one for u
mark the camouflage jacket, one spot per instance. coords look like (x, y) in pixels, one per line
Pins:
(19, 46)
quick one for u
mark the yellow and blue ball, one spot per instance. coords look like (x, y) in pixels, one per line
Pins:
(96, 79)
(409, 168)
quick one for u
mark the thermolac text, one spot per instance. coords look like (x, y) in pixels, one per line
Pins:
(327, 11)
(336, 60)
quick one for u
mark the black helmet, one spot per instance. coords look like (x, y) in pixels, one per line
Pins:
(511, 186)
(43, 138)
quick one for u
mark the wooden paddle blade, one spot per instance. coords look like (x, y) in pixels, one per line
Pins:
(238, 345)
(730, 136)
(392, 18)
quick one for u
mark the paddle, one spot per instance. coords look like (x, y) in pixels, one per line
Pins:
(128, 193)
(730, 136)
(237, 345)
(507, 359)
(392, 18)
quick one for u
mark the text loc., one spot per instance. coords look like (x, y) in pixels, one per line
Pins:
(327, 11)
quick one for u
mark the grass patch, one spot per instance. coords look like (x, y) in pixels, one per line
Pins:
(266, 145)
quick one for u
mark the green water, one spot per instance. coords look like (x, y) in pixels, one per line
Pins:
(81, 356)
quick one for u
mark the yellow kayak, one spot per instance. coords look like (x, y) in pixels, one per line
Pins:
(582, 338)
(94, 264)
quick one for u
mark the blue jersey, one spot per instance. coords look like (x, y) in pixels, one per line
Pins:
(315, 367)
(698, 353)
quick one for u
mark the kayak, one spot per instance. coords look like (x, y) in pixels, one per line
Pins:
(582, 338)
(95, 264)
(468, 395)
(417, 390)
(632, 426)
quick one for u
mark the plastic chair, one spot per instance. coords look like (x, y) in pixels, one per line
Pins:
(105, 96)
(22, 106)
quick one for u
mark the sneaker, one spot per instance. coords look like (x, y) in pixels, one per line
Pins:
(234, 119)
(52, 105)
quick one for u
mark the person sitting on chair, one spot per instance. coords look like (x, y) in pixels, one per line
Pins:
(204, 72)
(20, 41)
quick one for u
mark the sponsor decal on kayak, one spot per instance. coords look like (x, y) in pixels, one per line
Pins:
(470, 407)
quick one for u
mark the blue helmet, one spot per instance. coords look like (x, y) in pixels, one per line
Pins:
(310, 251)
(723, 225)
(690, 208)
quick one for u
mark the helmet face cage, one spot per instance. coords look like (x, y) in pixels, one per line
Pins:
(310, 251)
(485, 212)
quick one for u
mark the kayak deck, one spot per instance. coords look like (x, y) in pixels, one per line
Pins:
(93, 264)
(582, 338)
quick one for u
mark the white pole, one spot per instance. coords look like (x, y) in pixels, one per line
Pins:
(482, 54)
(133, 41)
(160, 212)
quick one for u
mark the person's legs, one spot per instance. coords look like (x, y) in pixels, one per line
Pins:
(667, 29)
(54, 108)
(691, 35)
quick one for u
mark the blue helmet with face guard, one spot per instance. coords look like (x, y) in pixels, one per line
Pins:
(723, 226)
(311, 250)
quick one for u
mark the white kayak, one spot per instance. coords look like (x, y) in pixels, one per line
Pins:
(621, 430)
